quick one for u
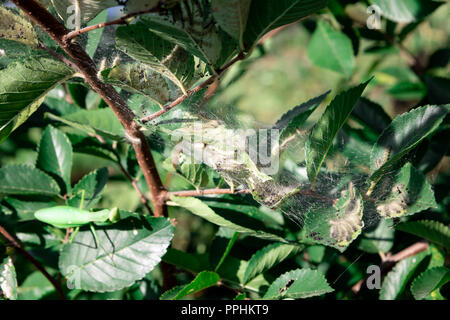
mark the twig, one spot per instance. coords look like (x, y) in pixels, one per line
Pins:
(194, 193)
(189, 93)
(122, 20)
(57, 55)
(18, 245)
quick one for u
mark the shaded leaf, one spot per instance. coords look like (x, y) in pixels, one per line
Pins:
(92, 184)
(203, 280)
(298, 284)
(55, 155)
(380, 239)
(268, 257)
(429, 281)
(404, 134)
(23, 86)
(36, 286)
(396, 280)
(271, 14)
(26, 180)
(331, 49)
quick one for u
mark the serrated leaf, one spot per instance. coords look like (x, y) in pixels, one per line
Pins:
(92, 184)
(268, 257)
(127, 251)
(170, 294)
(188, 27)
(162, 56)
(371, 114)
(336, 226)
(100, 122)
(404, 134)
(224, 219)
(24, 210)
(429, 281)
(406, 11)
(8, 279)
(433, 231)
(292, 120)
(23, 86)
(138, 79)
(328, 126)
(94, 36)
(17, 28)
(232, 17)
(403, 193)
(380, 239)
(271, 14)
(331, 49)
(298, 284)
(396, 280)
(78, 12)
(26, 180)
(203, 280)
(55, 155)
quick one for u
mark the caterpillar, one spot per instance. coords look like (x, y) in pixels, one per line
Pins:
(395, 206)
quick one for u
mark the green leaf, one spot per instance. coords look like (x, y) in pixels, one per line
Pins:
(162, 56)
(8, 279)
(93, 185)
(24, 210)
(185, 167)
(429, 281)
(271, 14)
(203, 280)
(404, 134)
(36, 286)
(403, 193)
(328, 126)
(100, 122)
(23, 86)
(331, 49)
(16, 27)
(224, 219)
(408, 91)
(298, 284)
(336, 226)
(170, 294)
(26, 180)
(232, 17)
(371, 114)
(126, 252)
(187, 30)
(396, 280)
(84, 10)
(406, 11)
(55, 155)
(138, 78)
(380, 239)
(433, 231)
(292, 120)
(227, 249)
(194, 263)
(268, 257)
(94, 36)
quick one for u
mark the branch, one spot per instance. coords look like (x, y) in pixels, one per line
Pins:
(195, 193)
(58, 32)
(122, 20)
(18, 245)
(189, 93)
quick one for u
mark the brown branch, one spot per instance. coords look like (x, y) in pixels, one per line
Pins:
(195, 193)
(189, 93)
(18, 245)
(121, 21)
(58, 32)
